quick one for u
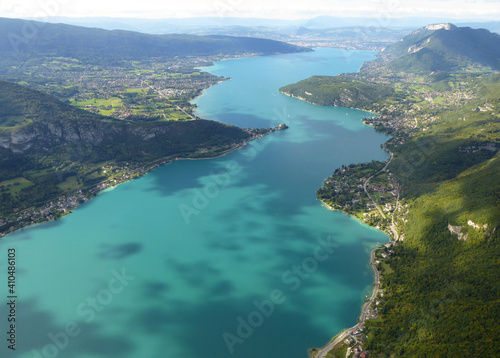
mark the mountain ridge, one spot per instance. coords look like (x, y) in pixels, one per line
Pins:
(21, 37)
(443, 47)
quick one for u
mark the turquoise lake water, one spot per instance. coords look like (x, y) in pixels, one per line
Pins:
(229, 257)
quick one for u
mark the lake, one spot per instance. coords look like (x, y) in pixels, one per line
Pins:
(228, 257)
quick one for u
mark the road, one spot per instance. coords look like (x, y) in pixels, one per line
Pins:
(168, 100)
(367, 180)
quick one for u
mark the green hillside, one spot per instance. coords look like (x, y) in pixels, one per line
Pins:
(441, 285)
(338, 91)
(48, 148)
(20, 105)
(439, 196)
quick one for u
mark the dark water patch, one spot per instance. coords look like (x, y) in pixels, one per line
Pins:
(93, 341)
(33, 325)
(199, 274)
(155, 290)
(224, 245)
(221, 289)
(37, 330)
(170, 179)
(152, 320)
(121, 251)
(273, 337)
(244, 120)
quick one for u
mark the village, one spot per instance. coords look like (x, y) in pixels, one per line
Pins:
(374, 201)
(153, 89)
(64, 204)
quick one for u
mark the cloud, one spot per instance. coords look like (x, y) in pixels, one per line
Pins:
(255, 8)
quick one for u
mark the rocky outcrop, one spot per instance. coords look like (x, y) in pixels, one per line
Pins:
(457, 230)
(477, 226)
(46, 134)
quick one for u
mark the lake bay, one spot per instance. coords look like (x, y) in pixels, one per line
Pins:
(227, 257)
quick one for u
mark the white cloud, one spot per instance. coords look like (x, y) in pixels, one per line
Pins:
(250, 8)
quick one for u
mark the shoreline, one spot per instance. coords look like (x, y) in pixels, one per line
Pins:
(101, 187)
(323, 351)
(362, 318)
(355, 218)
(305, 100)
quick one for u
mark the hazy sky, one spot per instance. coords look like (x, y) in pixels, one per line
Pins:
(285, 9)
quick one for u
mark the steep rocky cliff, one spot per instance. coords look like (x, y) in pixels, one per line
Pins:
(35, 123)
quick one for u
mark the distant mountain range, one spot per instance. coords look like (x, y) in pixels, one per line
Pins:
(346, 32)
(213, 24)
(444, 47)
(20, 37)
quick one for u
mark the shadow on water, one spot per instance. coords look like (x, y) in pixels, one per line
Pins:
(200, 330)
(36, 327)
(246, 120)
(155, 289)
(120, 251)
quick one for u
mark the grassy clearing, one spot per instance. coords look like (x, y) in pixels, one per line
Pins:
(420, 88)
(135, 90)
(12, 121)
(38, 173)
(70, 184)
(439, 100)
(386, 269)
(114, 102)
(14, 186)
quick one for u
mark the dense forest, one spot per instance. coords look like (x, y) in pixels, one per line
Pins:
(442, 297)
(340, 91)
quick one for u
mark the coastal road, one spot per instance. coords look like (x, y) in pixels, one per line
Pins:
(364, 312)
